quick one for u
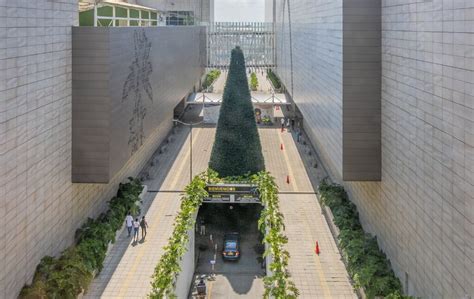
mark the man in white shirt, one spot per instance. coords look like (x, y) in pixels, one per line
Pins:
(129, 221)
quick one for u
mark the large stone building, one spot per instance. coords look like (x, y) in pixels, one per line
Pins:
(387, 92)
(71, 110)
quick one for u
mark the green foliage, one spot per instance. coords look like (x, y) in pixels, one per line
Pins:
(237, 149)
(253, 82)
(367, 264)
(71, 273)
(278, 285)
(274, 79)
(211, 77)
(168, 267)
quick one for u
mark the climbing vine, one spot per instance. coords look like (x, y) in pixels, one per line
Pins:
(168, 268)
(278, 284)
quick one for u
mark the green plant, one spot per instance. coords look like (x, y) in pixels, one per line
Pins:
(367, 264)
(253, 82)
(278, 284)
(274, 79)
(237, 149)
(71, 273)
(168, 267)
(210, 78)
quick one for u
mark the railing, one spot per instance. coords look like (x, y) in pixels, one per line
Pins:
(256, 39)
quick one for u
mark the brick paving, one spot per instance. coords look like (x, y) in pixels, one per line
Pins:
(128, 267)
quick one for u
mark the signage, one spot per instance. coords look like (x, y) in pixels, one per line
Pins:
(232, 193)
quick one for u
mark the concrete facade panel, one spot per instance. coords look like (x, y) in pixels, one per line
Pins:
(40, 208)
(148, 71)
(421, 210)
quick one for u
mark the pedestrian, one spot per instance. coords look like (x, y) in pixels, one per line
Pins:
(282, 120)
(202, 230)
(143, 225)
(298, 136)
(136, 227)
(129, 223)
(292, 123)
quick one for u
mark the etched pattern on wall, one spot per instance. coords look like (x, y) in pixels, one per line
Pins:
(138, 86)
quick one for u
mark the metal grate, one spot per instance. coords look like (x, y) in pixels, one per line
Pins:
(256, 39)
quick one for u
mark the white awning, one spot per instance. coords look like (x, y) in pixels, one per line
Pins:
(257, 98)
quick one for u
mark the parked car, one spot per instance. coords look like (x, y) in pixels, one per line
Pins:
(231, 250)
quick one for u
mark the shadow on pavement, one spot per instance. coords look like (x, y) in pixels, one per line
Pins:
(238, 277)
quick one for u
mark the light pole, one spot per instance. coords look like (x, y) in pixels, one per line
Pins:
(190, 145)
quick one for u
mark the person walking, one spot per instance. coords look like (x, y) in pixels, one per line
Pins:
(202, 230)
(282, 120)
(129, 223)
(136, 227)
(143, 225)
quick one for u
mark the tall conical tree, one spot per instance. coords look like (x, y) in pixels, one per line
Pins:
(237, 149)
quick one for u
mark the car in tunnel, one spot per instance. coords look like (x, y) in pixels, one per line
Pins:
(231, 250)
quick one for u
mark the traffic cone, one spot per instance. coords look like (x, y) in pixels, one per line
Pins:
(281, 146)
(287, 179)
(317, 248)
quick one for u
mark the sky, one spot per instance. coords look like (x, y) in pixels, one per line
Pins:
(239, 10)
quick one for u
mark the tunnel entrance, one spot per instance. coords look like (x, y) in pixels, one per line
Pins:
(242, 275)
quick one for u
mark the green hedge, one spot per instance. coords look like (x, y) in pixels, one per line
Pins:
(71, 273)
(274, 79)
(367, 264)
(237, 149)
(278, 284)
(210, 78)
(253, 82)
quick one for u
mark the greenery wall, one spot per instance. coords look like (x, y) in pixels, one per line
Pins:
(71, 273)
(237, 149)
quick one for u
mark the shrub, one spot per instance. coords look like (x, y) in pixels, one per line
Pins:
(211, 77)
(237, 149)
(274, 79)
(279, 284)
(168, 268)
(71, 273)
(253, 82)
(367, 264)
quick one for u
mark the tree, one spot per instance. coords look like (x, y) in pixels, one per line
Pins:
(237, 150)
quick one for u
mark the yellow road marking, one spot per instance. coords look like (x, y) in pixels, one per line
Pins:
(319, 267)
(209, 294)
(293, 182)
(184, 160)
(140, 254)
(156, 220)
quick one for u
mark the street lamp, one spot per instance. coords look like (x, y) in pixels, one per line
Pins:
(190, 145)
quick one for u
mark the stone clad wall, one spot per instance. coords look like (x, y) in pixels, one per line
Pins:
(40, 208)
(316, 29)
(422, 211)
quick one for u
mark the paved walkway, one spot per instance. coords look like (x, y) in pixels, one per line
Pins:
(128, 267)
(322, 276)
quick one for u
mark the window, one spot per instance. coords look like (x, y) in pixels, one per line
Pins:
(180, 18)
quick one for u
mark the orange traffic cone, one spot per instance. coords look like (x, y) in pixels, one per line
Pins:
(281, 146)
(287, 179)
(317, 248)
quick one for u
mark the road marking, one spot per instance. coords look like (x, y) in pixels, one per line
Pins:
(293, 182)
(209, 295)
(319, 267)
(156, 219)
(141, 251)
(184, 161)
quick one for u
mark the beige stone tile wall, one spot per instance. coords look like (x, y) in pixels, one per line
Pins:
(40, 208)
(423, 209)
